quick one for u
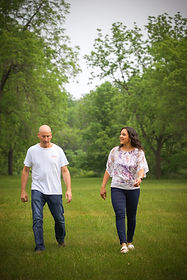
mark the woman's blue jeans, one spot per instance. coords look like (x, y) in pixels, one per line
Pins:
(125, 203)
(54, 202)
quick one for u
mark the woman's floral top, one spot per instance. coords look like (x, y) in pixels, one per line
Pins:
(123, 167)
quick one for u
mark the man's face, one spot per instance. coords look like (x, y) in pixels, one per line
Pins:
(45, 138)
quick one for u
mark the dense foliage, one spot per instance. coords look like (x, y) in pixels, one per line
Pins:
(147, 89)
(152, 74)
(149, 93)
(35, 63)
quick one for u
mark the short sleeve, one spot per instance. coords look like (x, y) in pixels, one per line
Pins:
(110, 163)
(63, 159)
(28, 159)
(142, 163)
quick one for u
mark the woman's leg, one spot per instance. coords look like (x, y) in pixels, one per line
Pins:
(132, 199)
(119, 204)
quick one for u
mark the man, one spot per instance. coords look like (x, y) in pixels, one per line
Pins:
(47, 161)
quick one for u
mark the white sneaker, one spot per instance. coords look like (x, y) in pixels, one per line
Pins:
(131, 247)
(124, 249)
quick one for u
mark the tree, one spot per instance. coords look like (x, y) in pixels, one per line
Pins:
(165, 85)
(43, 18)
(167, 46)
(118, 57)
(153, 80)
(35, 63)
(99, 127)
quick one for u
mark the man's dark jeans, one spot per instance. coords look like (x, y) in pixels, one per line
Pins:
(55, 205)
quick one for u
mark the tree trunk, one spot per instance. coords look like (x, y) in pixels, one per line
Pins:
(10, 162)
(4, 78)
(158, 157)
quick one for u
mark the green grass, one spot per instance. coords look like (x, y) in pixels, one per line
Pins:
(93, 250)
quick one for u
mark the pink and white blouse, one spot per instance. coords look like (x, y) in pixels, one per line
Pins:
(123, 167)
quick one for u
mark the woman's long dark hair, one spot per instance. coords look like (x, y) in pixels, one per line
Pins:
(135, 142)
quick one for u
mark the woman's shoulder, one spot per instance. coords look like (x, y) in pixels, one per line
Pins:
(139, 151)
(114, 149)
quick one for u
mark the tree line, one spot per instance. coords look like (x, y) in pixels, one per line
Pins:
(146, 89)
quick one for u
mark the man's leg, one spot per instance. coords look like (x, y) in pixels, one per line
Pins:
(55, 205)
(38, 202)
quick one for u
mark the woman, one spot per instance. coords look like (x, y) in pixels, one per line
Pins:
(127, 166)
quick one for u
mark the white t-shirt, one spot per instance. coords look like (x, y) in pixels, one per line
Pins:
(46, 166)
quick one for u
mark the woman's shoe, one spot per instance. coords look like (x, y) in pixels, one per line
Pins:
(130, 246)
(124, 249)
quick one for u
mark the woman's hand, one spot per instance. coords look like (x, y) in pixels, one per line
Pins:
(103, 193)
(137, 182)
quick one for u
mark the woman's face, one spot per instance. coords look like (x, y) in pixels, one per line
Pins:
(124, 137)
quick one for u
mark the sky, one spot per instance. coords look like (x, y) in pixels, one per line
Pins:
(88, 15)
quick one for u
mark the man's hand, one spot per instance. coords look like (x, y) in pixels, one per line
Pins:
(24, 178)
(24, 196)
(68, 196)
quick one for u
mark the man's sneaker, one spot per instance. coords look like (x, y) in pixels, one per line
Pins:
(38, 251)
(61, 244)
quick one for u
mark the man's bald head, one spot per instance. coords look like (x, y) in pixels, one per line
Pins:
(44, 128)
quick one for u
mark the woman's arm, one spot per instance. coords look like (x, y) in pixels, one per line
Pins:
(140, 178)
(103, 186)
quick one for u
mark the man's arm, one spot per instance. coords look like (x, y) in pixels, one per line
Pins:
(24, 179)
(67, 180)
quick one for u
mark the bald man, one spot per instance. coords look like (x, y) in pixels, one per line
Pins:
(48, 162)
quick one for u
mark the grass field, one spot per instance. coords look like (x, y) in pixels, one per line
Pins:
(93, 250)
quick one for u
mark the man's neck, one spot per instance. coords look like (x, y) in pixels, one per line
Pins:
(46, 146)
